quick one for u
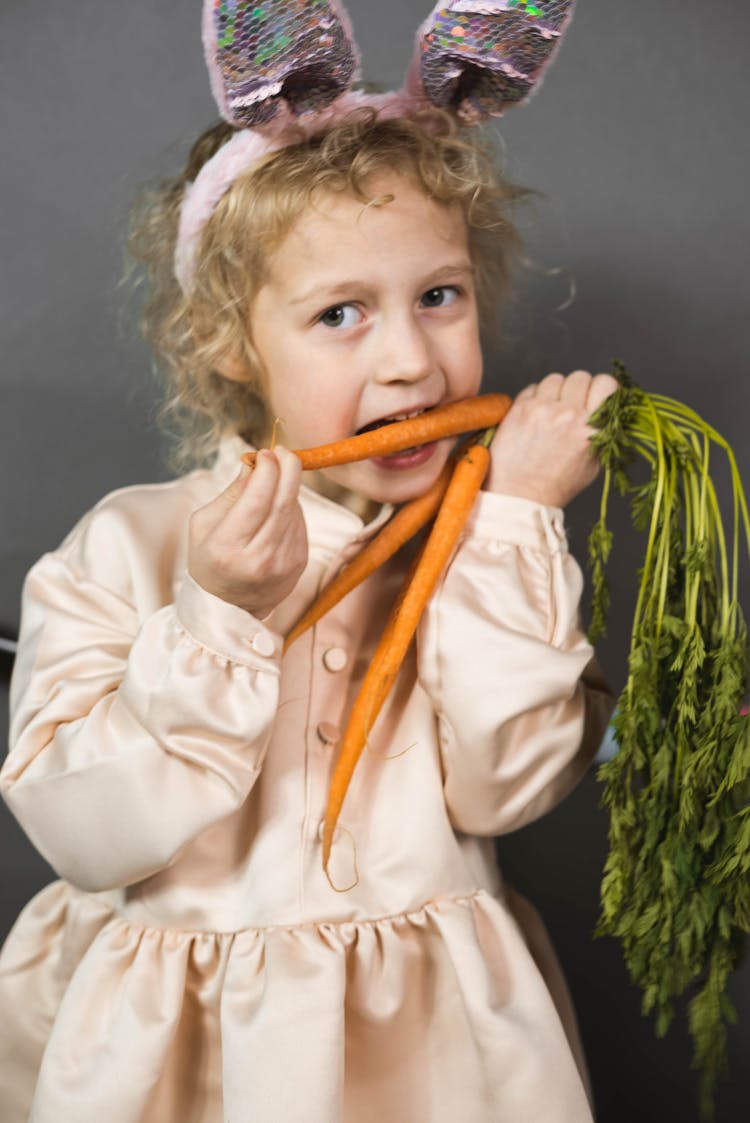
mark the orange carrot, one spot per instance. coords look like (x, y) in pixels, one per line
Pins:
(466, 481)
(410, 518)
(444, 421)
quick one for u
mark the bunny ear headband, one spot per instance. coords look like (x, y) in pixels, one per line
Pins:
(273, 63)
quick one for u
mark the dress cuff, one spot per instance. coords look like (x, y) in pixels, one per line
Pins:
(508, 520)
(225, 629)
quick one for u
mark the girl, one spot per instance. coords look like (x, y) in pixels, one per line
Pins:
(194, 963)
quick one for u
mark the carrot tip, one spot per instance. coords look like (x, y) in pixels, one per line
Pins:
(329, 831)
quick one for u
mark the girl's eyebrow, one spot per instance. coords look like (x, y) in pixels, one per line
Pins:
(344, 288)
(323, 292)
(461, 268)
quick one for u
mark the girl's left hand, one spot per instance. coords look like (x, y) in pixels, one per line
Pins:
(541, 450)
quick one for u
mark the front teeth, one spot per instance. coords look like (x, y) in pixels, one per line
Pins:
(390, 420)
(406, 416)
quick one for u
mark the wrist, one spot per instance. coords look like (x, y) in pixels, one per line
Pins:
(233, 595)
(547, 496)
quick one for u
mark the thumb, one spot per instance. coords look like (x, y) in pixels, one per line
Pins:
(211, 514)
(229, 496)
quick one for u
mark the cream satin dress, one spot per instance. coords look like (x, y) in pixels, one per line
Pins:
(193, 964)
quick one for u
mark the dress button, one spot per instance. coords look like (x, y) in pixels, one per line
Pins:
(328, 733)
(335, 659)
(263, 644)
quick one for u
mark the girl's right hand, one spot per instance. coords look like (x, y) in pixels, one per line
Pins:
(249, 544)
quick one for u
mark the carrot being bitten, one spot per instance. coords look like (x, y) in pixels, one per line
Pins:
(446, 421)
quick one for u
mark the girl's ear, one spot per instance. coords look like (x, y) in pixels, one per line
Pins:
(235, 367)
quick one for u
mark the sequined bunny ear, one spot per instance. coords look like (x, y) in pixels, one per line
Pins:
(480, 57)
(274, 57)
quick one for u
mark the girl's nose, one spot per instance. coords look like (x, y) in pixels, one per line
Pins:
(405, 354)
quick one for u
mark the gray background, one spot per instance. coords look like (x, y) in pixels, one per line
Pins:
(638, 140)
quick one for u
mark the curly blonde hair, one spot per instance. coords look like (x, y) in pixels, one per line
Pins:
(195, 333)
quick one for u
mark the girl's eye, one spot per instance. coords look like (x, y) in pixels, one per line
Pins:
(340, 316)
(435, 298)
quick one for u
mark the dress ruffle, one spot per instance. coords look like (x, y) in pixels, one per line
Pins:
(133, 1023)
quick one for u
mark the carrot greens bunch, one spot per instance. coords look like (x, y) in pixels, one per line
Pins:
(675, 890)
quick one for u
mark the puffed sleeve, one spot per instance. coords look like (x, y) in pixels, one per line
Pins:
(134, 726)
(520, 701)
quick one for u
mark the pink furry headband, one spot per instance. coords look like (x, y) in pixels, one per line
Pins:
(283, 62)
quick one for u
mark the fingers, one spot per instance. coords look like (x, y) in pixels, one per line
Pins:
(602, 386)
(238, 513)
(226, 499)
(550, 388)
(242, 508)
(283, 500)
(267, 498)
(249, 545)
(543, 450)
(557, 387)
(580, 388)
(573, 389)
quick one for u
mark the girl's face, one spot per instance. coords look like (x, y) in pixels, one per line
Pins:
(369, 313)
